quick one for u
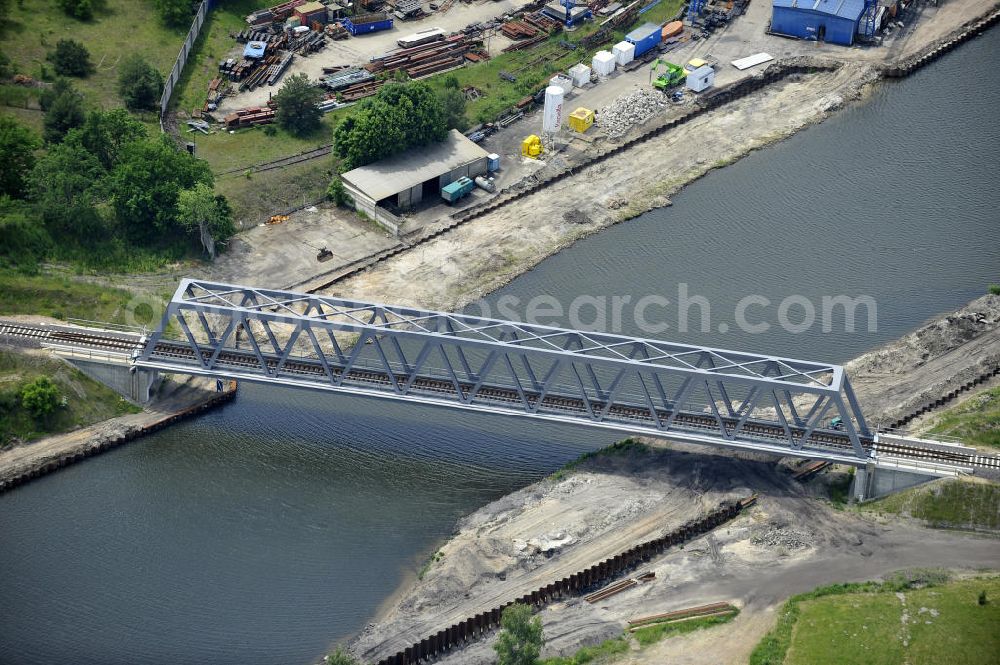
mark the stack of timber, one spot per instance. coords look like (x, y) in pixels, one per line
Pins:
(255, 115)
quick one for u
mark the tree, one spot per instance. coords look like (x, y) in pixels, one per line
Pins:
(145, 186)
(17, 156)
(297, 100)
(64, 189)
(51, 93)
(71, 58)
(79, 9)
(40, 397)
(174, 12)
(453, 108)
(341, 657)
(64, 113)
(139, 83)
(105, 134)
(520, 640)
(206, 215)
(4, 9)
(399, 117)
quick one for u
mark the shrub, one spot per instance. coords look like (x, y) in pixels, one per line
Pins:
(995, 289)
(520, 640)
(79, 9)
(70, 58)
(40, 397)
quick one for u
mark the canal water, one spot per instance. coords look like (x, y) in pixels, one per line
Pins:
(266, 530)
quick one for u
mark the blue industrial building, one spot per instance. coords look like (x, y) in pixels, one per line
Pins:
(832, 21)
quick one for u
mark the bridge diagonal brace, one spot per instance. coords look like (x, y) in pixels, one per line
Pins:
(715, 411)
(199, 356)
(781, 417)
(221, 343)
(288, 348)
(583, 392)
(319, 353)
(256, 348)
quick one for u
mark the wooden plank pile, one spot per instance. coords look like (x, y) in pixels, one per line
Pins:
(248, 117)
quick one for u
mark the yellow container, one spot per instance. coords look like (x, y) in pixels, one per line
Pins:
(581, 119)
(531, 146)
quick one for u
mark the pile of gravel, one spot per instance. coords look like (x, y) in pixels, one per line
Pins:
(630, 110)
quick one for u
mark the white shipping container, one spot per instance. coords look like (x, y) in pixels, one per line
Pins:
(552, 113)
(563, 82)
(580, 74)
(701, 78)
(603, 63)
(624, 52)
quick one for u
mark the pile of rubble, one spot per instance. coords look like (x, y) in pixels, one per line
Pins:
(776, 535)
(630, 110)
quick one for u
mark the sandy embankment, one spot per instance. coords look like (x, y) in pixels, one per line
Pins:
(786, 545)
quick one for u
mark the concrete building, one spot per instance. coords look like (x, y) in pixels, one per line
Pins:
(408, 178)
(831, 21)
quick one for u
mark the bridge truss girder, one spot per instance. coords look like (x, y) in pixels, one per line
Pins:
(629, 384)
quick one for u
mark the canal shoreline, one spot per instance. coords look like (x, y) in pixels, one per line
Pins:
(174, 401)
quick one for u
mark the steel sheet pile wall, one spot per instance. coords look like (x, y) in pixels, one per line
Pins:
(576, 584)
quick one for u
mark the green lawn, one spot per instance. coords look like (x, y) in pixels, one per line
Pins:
(948, 503)
(256, 198)
(862, 624)
(976, 422)
(119, 27)
(858, 628)
(86, 401)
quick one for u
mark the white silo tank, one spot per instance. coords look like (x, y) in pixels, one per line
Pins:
(552, 113)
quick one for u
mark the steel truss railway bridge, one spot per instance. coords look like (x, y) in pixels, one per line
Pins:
(680, 392)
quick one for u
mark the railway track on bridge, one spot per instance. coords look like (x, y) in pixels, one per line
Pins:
(238, 360)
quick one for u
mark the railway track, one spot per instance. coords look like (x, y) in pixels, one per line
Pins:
(238, 360)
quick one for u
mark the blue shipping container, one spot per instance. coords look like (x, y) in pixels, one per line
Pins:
(645, 37)
(366, 27)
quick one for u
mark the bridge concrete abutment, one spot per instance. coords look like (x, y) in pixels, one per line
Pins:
(874, 482)
(133, 383)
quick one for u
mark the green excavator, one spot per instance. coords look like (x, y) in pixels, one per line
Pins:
(671, 76)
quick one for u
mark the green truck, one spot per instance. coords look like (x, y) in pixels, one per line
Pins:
(672, 75)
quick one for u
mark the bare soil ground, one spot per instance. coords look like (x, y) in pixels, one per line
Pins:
(928, 363)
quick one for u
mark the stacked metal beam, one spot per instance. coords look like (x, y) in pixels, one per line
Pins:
(425, 59)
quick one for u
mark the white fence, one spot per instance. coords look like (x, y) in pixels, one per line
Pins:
(175, 73)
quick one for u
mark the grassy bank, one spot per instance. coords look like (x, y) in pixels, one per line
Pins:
(976, 422)
(868, 624)
(63, 298)
(951, 503)
(84, 401)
